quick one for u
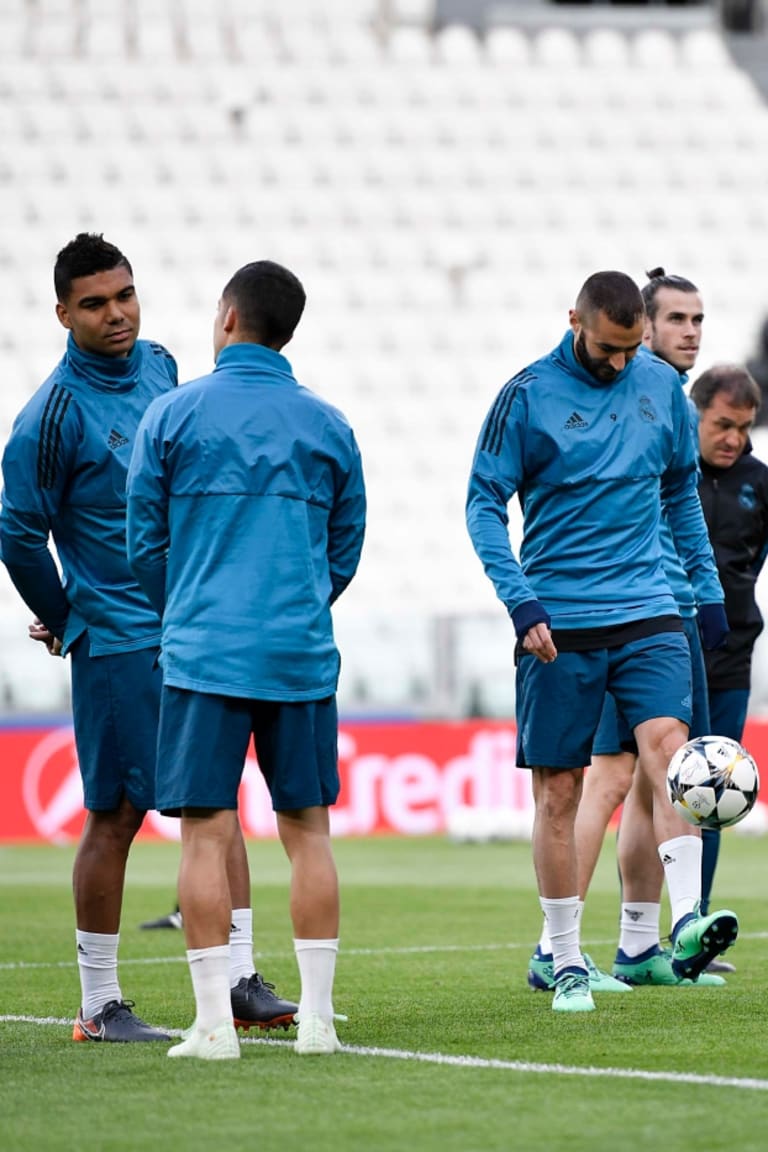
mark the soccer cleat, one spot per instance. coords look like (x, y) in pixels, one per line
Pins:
(541, 975)
(541, 972)
(172, 920)
(655, 967)
(255, 1003)
(600, 981)
(219, 1043)
(116, 1024)
(572, 993)
(316, 1037)
(701, 939)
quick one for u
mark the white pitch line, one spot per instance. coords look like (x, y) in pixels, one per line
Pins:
(413, 950)
(521, 1066)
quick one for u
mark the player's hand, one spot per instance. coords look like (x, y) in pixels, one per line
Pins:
(538, 640)
(38, 631)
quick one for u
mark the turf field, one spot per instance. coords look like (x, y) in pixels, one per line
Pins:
(445, 1048)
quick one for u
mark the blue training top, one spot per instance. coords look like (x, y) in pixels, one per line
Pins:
(591, 464)
(673, 566)
(64, 471)
(246, 514)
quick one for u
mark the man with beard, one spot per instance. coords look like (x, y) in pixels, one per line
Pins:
(587, 437)
(674, 319)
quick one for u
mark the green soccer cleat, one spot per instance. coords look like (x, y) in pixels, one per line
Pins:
(655, 967)
(572, 993)
(700, 939)
(600, 981)
(541, 975)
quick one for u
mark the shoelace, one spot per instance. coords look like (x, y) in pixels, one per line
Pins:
(118, 1010)
(573, 985)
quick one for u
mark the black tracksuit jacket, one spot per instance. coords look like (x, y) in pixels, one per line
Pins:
(735, 504)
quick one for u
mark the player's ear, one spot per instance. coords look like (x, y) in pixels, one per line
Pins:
(574, 319)
(63, 316)
(229, 321)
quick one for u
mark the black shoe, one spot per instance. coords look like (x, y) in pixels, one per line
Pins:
(254, 1002)
(172, 920)
(117, 1023)
(718, 965)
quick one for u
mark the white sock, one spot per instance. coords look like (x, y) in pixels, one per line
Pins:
(317, 966)
(97, 964)
(241, 946)
(209, 969)
(563, 920)
(639, 927)
(681, 858)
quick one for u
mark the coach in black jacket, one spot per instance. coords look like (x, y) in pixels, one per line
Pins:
(734, 495)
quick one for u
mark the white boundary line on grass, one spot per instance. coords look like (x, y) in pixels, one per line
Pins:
(414, 950)
(442, 1058)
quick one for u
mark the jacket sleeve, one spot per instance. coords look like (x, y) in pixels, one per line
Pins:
(36, 470)
(497, 474)
(346, 525)
(680, 499)
(147, 511)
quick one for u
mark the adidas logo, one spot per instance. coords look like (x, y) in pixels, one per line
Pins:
(116, 439)
(575, 421)
(81, 950)
(667, 859)
(633, 914)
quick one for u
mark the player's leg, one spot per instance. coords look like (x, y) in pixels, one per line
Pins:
(558, 707)
(642, 877)
(651, 679)
(115, 705)
(604, 786)
(728, 715)
(254, 1002)
(202, 744)
(296, 745)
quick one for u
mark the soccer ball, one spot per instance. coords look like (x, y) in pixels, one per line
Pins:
(712, 782)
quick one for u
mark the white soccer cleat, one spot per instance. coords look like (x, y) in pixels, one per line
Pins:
(219, 1043)
(316, 1037)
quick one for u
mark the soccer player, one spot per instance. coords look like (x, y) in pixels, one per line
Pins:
(733, 488)
(246, 513)
(64, 471)
(587, 436)
(674, 319)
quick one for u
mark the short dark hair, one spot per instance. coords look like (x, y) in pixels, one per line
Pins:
(658, 278)
(734, 380)
(86, 255)
(613, 293)
(269, 300)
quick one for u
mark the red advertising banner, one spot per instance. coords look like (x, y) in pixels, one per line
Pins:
(398, 778)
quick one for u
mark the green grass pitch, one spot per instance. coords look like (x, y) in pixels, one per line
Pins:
(445, 1047)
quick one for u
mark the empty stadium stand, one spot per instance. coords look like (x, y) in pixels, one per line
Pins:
(442, 194)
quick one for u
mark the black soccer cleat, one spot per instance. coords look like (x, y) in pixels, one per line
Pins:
(116, 1024)
(254, 1003)
(172, 920)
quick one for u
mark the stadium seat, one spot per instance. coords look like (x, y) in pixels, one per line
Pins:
(506, 46)
(456, 45)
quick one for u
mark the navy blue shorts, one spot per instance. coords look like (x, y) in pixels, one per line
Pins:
(115, 710)
(614, 734)
(559, 704)
(204, 741)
